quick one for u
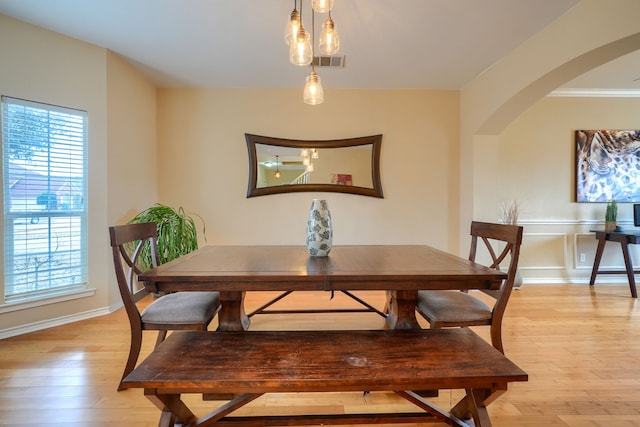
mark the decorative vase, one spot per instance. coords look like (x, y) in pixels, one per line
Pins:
(319, 229)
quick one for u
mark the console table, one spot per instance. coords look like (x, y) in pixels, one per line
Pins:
(624, 239)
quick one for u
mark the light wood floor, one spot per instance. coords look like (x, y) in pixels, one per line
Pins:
(579, 345)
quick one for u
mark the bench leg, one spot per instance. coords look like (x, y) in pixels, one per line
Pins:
(474, 405)
(174, 410)
(438, 414)
(228, 408)
(175, 406)
(167, 419)
(478, 408)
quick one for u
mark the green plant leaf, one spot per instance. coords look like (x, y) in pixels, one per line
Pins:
(177, 232)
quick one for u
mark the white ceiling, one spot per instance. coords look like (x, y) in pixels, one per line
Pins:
(430, 44)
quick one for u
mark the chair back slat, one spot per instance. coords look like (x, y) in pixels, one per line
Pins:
(493, 236)
(128, 243)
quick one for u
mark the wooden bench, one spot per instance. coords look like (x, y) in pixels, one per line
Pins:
(249, 364)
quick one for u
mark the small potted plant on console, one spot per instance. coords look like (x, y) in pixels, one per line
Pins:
(611, 216)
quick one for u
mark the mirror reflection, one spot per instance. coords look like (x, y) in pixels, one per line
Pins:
(278, 165)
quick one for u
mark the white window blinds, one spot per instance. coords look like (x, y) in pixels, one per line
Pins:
(44, 187)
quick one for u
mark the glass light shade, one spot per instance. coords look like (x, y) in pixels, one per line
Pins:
(291, 30)
(322, 6)
(313, 93)
(300, 51)
(329, 42)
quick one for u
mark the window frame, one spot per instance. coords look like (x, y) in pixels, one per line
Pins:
(74, 234)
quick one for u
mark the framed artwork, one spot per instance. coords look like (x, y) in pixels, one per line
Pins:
(607, 165)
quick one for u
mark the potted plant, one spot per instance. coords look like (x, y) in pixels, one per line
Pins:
(611, 216)
(177, 232)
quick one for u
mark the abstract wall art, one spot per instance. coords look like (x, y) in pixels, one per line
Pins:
(607, 165)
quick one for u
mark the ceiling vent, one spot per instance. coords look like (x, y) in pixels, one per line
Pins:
(329, 61)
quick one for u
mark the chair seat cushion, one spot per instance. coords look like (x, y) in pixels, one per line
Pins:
(182, 308)
(452, 307)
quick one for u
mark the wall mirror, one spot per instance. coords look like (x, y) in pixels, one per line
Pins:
(278, 165)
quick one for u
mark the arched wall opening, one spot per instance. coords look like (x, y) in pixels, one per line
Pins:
(503, 93)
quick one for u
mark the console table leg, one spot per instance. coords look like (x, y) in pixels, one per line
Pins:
(629, 266)
(596, 261)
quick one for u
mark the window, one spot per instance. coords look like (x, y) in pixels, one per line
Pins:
(44, 187)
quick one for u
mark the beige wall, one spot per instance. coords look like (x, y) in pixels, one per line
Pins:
(440, 152)
(203, 162)
(590, 34)
(43, 66)
(131, 152)
(535, 159)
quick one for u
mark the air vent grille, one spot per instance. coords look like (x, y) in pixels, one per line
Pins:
(329, 61)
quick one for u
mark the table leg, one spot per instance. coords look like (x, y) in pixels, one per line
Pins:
(402, 310)
(596, 261)
(232, 316)
(629, 266)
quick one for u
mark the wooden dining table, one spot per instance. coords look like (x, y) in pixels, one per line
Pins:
(400, 270)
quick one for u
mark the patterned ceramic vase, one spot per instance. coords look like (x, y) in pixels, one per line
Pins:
(319, 230)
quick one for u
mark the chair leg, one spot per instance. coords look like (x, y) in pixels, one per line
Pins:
(134, 352)
(387, 303)
(161, 336)
(496, 337)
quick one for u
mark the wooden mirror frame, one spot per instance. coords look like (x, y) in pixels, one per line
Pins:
(374, 140)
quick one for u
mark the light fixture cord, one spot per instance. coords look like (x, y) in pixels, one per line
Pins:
(313, 39)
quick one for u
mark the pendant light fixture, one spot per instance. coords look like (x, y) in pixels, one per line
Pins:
(291, 31)
(329, 42)
(277, 173)
(302, 46)
(322, 6)
(313, 93)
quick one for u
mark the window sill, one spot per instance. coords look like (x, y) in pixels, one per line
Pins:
(31, 303)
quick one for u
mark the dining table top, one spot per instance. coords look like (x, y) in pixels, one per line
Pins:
(353, 267)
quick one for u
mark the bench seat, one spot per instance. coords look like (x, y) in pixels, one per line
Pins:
(249, 364)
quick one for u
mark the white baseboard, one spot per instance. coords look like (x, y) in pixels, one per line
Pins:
(50, 323)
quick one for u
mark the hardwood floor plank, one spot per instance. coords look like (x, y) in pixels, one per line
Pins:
(579, 345)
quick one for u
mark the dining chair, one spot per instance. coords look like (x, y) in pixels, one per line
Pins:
(173, 311)
(460, 308)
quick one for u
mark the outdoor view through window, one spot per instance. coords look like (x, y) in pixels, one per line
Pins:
(44, 188)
